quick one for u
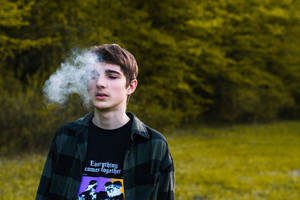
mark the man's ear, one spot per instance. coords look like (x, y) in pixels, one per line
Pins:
(132, 86)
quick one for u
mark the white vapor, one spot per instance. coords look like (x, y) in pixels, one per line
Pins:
(71, 77)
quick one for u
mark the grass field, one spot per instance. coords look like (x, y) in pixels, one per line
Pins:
(233, 163)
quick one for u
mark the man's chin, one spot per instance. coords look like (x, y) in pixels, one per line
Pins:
(102, 108)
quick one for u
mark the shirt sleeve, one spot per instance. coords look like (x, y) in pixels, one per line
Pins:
(166, 180)
(46, 178)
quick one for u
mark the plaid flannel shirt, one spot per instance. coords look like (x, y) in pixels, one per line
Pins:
(148, 169)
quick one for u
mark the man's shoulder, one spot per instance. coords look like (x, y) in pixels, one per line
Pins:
(147, 132)
(155, 134)
(74, 126)
(69, 126)
(70, 134)
(156, 139)
(159, 145)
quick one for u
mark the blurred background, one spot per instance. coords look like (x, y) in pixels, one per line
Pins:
(227, 64)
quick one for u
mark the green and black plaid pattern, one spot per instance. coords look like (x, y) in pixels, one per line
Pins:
(148, 169)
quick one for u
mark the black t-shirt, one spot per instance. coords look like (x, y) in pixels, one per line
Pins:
(102, 173)
(106, 150)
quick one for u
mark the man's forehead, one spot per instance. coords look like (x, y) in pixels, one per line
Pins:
(105, 66)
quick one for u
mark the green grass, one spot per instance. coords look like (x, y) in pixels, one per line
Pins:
(19, 176)
(238, 162)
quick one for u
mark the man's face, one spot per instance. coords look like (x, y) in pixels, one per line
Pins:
(107, 87)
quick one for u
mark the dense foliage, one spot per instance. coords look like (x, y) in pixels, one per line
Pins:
(223, 60)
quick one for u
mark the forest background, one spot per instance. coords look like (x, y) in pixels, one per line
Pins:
(201, 61)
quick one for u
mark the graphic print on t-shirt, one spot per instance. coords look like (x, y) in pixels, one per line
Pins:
(101, 188)
(101, 181)
(103, 168)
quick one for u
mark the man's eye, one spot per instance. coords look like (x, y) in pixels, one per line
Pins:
(112, 77)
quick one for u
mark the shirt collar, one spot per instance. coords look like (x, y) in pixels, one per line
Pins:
(138, 127)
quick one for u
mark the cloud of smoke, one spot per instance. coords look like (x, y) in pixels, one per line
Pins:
(72, 77)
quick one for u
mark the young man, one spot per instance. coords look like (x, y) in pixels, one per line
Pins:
(108, 154)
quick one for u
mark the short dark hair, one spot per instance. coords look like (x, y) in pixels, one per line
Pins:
(114, 54)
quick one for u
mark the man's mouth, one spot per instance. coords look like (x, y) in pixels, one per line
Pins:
(101, 95)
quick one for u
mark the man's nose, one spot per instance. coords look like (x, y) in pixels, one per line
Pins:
(101, 81)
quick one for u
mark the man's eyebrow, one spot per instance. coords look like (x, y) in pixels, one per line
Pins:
(112, 71)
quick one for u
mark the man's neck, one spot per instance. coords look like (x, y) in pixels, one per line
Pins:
(110, 119)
